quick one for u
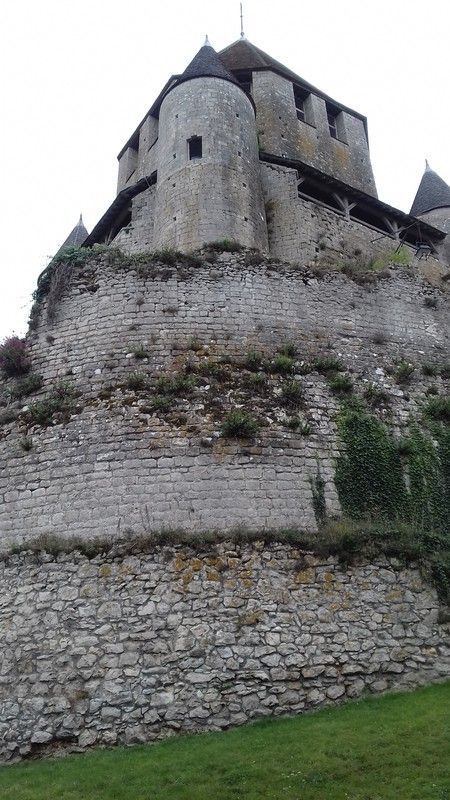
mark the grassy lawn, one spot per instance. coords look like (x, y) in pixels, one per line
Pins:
(388, 748)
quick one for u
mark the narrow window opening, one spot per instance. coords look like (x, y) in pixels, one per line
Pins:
(332, 116)
(300, 97)
(244, 78)
(195, 147)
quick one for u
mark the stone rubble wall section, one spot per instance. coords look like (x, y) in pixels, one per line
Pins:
(138, 234)
(233, 308)
(113, 468)
(122, 650)
(107, 471)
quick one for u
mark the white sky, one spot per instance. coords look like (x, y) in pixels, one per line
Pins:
(77, 77)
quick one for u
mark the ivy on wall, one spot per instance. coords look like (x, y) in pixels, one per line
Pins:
(369, 474)
(428, 505)
(407, 486)
(377, 477)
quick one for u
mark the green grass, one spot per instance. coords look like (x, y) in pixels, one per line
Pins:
(388, 748)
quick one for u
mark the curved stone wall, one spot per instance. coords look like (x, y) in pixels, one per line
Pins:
(118, 464)
(132, 648)
(232, 306)
(219, 195)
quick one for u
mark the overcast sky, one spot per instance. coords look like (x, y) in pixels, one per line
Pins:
(78, 76)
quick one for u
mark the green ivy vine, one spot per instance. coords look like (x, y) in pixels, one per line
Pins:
(406, 485)
(369, 474)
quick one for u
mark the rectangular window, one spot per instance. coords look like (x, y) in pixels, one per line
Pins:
(300, 97)
(332, 116)
(195, 147)
(244, 78)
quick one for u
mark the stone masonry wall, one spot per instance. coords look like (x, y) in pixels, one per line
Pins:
(304, 230)
(138, 235)
(133, 648)
(117, 465)
(232, 306)
(281, 133)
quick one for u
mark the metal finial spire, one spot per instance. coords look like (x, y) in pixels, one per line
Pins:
(427, 166)
(242, 24)
(207, 42)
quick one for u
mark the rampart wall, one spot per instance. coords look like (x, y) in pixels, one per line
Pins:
(118, 463)
(146, 640)
(132, 648)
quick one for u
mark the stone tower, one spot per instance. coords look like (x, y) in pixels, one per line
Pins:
(208, 168)
(240, 147)
(432, 204)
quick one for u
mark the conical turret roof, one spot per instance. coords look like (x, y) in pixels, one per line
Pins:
(76, 236)
(433, 192)
(206, 64)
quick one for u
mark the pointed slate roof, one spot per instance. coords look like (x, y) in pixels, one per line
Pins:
(76, 237)
(206, 64)
(243, 55)
(433, 192)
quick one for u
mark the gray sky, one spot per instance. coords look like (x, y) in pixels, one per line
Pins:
(79, 76)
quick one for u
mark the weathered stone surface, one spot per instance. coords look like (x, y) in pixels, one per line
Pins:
(101, 672)
(117, 466)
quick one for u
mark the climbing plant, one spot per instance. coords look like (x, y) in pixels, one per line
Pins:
(428, 504)
(403, 484)
(369, 475)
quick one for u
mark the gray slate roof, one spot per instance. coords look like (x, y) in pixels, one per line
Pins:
(76, 237)
(433, 192)
(243, 55)
(206, 64)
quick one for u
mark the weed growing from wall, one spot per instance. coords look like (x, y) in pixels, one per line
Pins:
(239, 425)
(438, 408)
(283, 365)
(341, 384)
(26, 385)
(14, 358)
(318, 498)
(292, 394)
(61, 402)
(224, 246)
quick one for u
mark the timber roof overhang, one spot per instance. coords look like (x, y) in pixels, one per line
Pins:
(116, 209)
(405, 221)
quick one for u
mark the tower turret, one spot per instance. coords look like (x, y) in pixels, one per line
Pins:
(76, 236)
(432, 203)
(209, 185)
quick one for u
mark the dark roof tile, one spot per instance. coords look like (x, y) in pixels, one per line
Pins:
(206, 64)
(433, 192)
(76, 237)
(243, 55)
